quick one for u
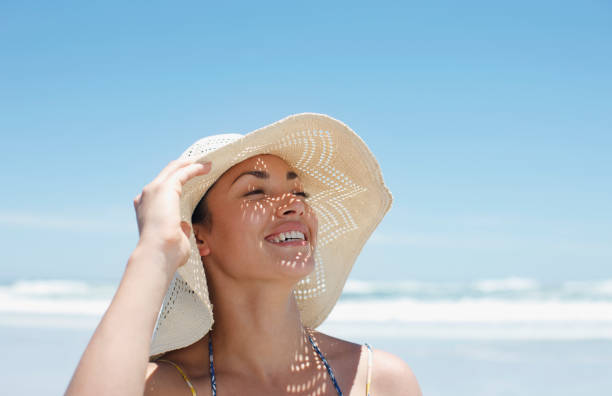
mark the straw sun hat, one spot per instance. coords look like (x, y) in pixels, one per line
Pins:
(346, 190)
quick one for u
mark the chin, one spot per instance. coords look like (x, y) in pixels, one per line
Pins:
(297, 269)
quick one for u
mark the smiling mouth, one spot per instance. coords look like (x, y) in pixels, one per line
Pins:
(288, 238)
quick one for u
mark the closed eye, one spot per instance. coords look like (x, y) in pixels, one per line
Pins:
(254, 192)
(300, 193)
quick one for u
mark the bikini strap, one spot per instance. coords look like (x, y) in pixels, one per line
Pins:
(180, 370)
(213, 380)
(369, 377)
(327, 366)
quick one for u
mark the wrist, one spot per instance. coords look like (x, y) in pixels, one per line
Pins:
(154, 259)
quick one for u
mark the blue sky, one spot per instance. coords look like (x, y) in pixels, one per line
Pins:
(491, 122)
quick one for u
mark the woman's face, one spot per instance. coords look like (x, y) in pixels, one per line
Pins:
(262, 227)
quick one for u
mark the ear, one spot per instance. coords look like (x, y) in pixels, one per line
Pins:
(200, 233)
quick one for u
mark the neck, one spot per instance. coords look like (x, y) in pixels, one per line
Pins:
(257, 330)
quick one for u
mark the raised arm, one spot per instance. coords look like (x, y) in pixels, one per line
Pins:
(116, 357)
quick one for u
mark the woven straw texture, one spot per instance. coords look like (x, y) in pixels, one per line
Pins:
(346, 190)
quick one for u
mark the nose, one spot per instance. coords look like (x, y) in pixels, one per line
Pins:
(290, 204)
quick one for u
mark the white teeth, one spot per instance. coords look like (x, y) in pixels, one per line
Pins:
(288, 235)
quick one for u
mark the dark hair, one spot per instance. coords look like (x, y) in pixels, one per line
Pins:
(201, 214)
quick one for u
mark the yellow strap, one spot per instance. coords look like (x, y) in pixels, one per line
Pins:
(193, 392)
(369, 377)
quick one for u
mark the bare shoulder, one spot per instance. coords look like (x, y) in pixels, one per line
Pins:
(336, 348)
(392, 376)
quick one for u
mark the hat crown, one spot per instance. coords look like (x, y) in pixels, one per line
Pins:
(209, 144)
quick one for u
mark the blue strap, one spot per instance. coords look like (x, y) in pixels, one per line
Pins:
(213, 381)
(327, 366)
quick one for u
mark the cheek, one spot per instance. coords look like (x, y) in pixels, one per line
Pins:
(254, 212)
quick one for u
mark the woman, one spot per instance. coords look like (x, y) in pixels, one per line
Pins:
(265, 226)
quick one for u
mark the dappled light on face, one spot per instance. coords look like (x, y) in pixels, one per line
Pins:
(272, 195)
(300, 260)
(253, 212)
(260, 164)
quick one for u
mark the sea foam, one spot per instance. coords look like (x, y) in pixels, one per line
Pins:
(503, 309)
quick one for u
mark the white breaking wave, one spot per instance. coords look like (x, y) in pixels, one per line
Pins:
(511, 288)
(509, 284)
(397, 310)
(471, 319)
(513, 308)
(602, 288)
(59, 297)
(56, 288)
(47, 288)
(558, 331)
(57, 307)
(469, 310)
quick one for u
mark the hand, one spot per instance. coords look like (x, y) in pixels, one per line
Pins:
(158, 214)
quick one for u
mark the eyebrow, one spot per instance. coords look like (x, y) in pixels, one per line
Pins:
(264, 175)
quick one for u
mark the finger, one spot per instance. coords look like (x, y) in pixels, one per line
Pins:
(170, 169)
(191, 171)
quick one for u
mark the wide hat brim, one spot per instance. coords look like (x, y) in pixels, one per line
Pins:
(346, 190)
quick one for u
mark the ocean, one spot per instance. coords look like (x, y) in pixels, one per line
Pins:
(488, 337)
